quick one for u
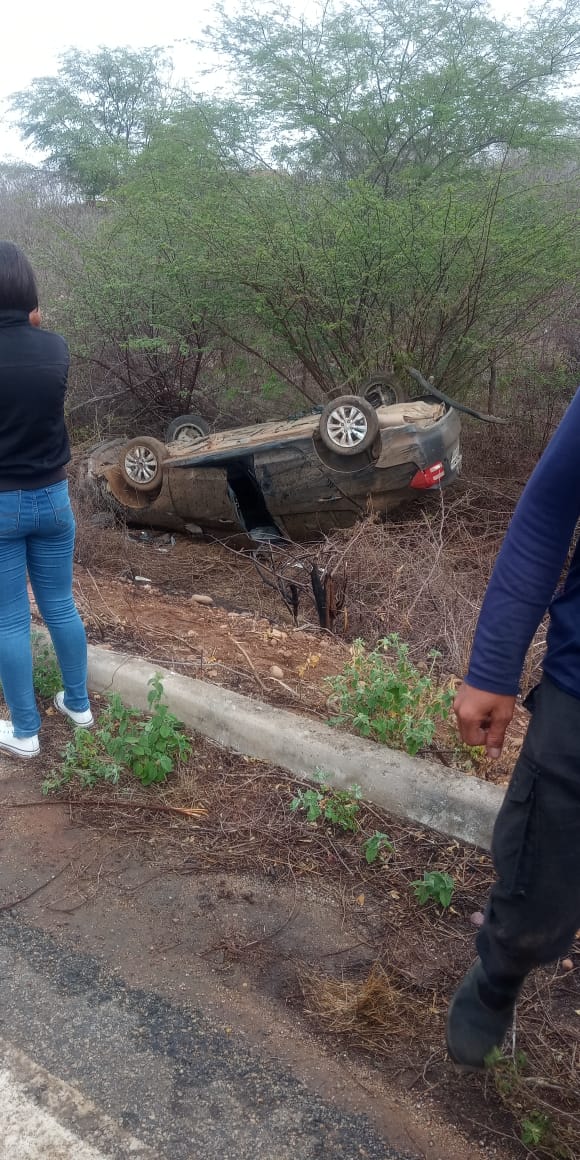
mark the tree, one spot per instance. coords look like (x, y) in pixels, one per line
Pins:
(422, 208)
(349, 281)
(96, 113)
(336, 279)
(377, 88)
(140, 312)
(461, 124)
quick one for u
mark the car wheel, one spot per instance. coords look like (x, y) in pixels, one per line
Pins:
(382, 391)
(186, 429)
(349, 425)
(141, 463)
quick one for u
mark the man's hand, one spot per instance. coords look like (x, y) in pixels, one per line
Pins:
(483, 718)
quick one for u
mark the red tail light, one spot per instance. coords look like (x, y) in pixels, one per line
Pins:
(430, 477)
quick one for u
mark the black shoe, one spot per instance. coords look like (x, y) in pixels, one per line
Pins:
(474, 1028)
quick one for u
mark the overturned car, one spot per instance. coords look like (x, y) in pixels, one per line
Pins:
(295, 479)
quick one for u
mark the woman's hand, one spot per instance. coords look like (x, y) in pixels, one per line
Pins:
(483, 718)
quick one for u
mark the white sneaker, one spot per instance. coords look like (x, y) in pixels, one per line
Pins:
(20, 746)
(84, 720)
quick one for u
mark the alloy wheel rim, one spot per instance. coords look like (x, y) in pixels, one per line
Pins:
(141, 464)
(347, 426)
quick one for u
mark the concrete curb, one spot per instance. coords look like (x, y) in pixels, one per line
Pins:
(421, 791)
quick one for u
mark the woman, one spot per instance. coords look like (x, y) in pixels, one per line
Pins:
(37, 527)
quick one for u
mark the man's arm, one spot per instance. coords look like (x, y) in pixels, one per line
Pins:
(521, 587)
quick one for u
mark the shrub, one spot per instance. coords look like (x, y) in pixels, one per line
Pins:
(147, 747)
(382, 695)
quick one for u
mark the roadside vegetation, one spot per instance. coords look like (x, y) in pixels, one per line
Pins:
(385, 186)
(383, 696)
(124, 741)
(412, 896)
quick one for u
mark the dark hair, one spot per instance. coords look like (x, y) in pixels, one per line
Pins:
(17, 282)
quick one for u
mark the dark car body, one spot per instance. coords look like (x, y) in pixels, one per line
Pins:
(280, 479)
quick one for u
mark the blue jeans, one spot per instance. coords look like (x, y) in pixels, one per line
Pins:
(37, 533)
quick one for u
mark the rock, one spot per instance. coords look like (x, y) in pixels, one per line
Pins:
(201, 599)
(278, 635)
(567, 965)
(277, 672)
(477, 918)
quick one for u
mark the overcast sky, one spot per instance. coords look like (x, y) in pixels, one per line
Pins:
(34, 36)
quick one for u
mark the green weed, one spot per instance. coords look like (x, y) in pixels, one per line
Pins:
(339, 807)
(434, 886)
(47, 676)
(534, 1129)
(376, 845)
(382, 695)
(124, 740)
(555, 1135)
(85, 760)
(507, 1070)
(150, 746)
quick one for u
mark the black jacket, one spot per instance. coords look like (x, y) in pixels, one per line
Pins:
(34, 444)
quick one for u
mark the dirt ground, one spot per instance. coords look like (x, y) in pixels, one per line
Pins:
(137, 595)
(226, 933)
(281, 927)
(234, 648)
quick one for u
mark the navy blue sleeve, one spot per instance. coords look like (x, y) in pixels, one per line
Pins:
(530, 562)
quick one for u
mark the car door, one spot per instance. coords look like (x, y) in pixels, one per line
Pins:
(301, 495)
(201, 495)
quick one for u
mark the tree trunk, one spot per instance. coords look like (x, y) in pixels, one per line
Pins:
(492, 387)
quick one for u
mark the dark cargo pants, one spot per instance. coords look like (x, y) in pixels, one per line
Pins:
(533, 911)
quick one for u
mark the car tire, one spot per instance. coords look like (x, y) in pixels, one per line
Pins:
(382, 390)
(179, 428)
(141, 463)
(349, 425)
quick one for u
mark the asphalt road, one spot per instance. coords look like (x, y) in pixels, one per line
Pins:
(91, 1069)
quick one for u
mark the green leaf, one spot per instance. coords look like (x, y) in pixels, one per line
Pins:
(377, 844)
(435, 886)
(534, 1129)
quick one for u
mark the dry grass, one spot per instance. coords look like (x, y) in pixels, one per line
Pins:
(391, 1002)
(537, 1081)
(423, 574)
(372, 1010)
